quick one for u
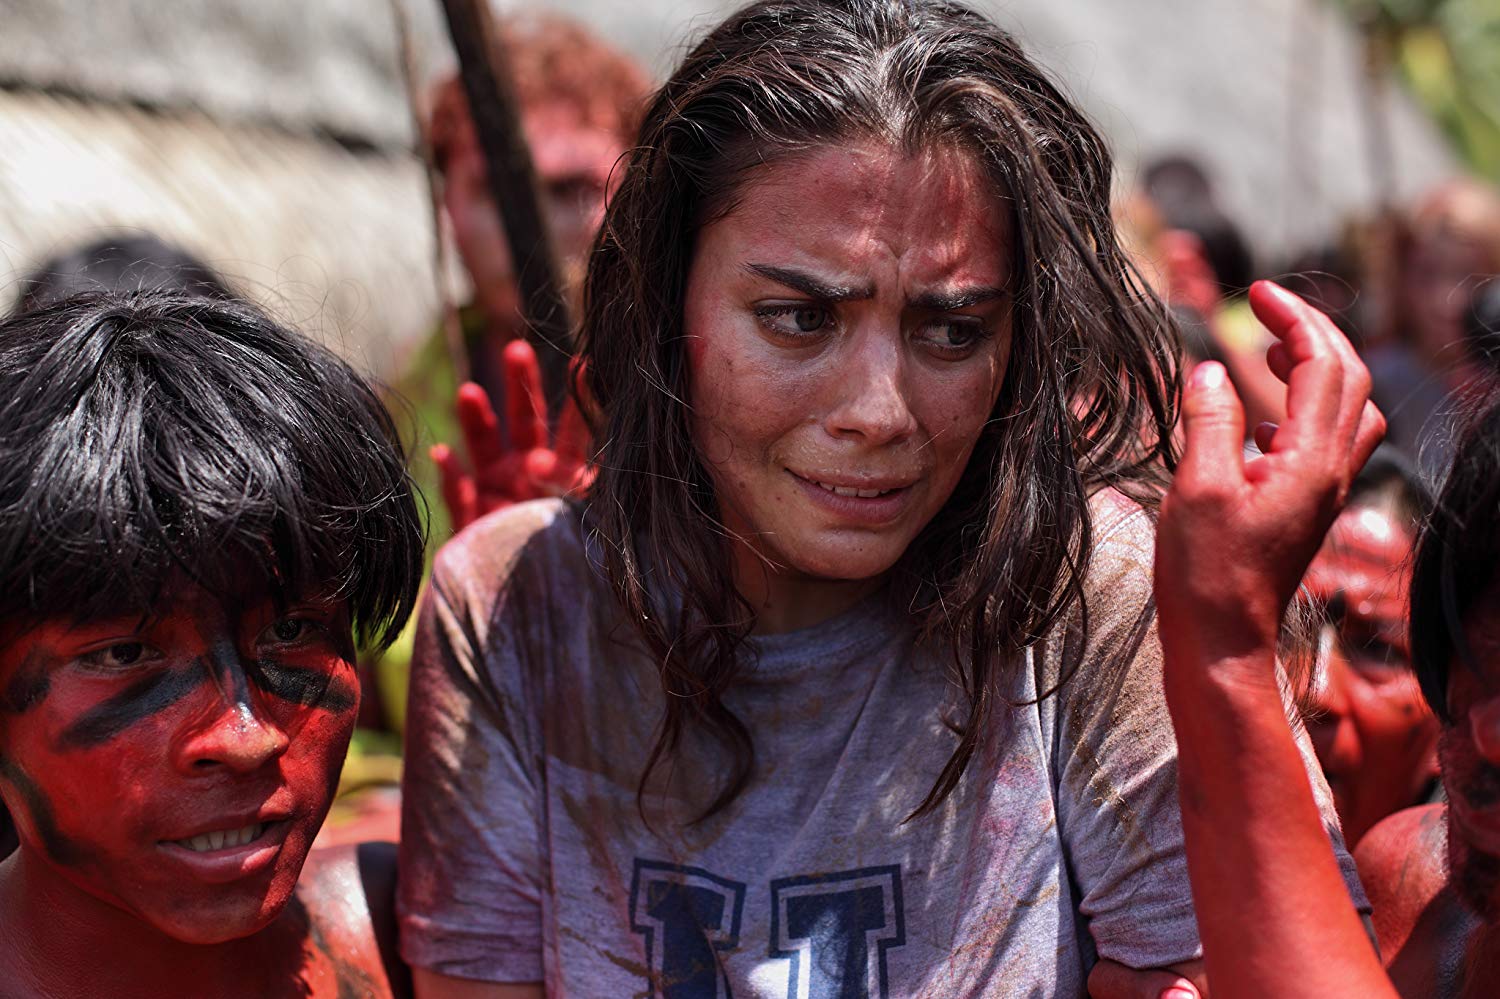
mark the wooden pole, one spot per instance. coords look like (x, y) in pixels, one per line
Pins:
(453, 337)
(512, 178)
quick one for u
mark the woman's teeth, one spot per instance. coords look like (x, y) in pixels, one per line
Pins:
(851, 491)
(204, 842)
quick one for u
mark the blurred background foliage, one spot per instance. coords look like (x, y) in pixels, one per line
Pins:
(1448, 53)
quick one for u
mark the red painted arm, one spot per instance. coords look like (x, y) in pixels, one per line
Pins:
(1233, 541)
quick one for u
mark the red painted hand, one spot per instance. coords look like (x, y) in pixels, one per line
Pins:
(524, 467)
(1236, 536)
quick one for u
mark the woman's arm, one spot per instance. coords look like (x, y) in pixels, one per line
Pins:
(1233, 542)
(431, 985)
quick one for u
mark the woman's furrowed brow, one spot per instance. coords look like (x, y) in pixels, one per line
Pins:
(931, 301)
(811, 285)
(957, 298)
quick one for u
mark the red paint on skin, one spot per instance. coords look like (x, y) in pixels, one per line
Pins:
(1470, 754)
(791, 388)
(220, 754)
(1372, 731)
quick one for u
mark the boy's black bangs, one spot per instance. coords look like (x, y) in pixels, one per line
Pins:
(158, 437)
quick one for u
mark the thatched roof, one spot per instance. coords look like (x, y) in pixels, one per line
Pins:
(270, 136)
(324, 66)
(333, 240)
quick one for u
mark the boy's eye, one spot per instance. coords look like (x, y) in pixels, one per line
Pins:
(121, 655)
(291, 630)
(288, 629)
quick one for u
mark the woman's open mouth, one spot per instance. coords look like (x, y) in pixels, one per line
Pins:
(867, 503)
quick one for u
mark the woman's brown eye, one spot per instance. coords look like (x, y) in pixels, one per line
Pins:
(809, 320)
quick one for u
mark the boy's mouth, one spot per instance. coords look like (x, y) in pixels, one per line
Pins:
(222, 839)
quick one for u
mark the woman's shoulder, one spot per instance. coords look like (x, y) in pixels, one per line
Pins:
(537, 537)
(1122, 539)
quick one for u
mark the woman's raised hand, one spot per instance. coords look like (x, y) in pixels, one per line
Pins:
(527, 465)
(1236, 535)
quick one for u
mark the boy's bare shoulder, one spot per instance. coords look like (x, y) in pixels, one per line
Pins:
(349, 895)
(1403, 864)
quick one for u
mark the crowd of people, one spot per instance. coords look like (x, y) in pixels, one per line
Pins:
(945, 579)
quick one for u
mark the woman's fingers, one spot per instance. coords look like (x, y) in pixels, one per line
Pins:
(525, 402)
(1214, 429)
(1264, 433)
(1278, 361)
(481, 428)
(1368, 435)
(1111, 980)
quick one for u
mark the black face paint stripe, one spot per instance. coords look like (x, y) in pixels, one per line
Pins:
(224, 661)
(301, 685)
(62, 849)
(28, 688)
(147, 696)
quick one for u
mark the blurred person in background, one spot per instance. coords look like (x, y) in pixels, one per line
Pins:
(1482, 330)
(580, 100)
(1373, 733)
(1452, 248)
(1195, 258)
(125, 262)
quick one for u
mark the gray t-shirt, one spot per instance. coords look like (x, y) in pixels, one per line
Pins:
(524, 857)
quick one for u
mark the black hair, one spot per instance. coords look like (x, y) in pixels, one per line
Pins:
(1457, 555)
(1482, 326)
(1390, 474)
(152, 435)
(1087, 402)
(119, 263)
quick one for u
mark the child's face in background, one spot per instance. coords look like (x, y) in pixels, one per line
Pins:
(176, 768)
(1373, 733)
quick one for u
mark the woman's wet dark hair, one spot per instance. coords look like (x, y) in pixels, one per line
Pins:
(1088, 399)
(1458, 555)
(151, 436)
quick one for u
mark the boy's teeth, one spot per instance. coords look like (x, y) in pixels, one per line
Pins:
(205, 842)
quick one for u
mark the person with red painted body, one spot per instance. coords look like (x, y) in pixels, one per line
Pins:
(580, 100)
(1375, 737)
(1436, 869)
(842, 679)
(1234, 540)
(201, 515)
(1273, 917)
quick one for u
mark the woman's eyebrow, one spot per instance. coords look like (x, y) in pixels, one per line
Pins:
(958, 298)
(931, 301)
(809, 285)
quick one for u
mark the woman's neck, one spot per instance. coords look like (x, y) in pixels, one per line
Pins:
(61, 940)
(783, 602)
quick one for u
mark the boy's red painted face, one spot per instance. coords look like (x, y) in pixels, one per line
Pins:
(178, 768)
(1469, 750)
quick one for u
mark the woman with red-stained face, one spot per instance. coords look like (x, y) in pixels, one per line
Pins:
(841, 679)
(189, 556)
